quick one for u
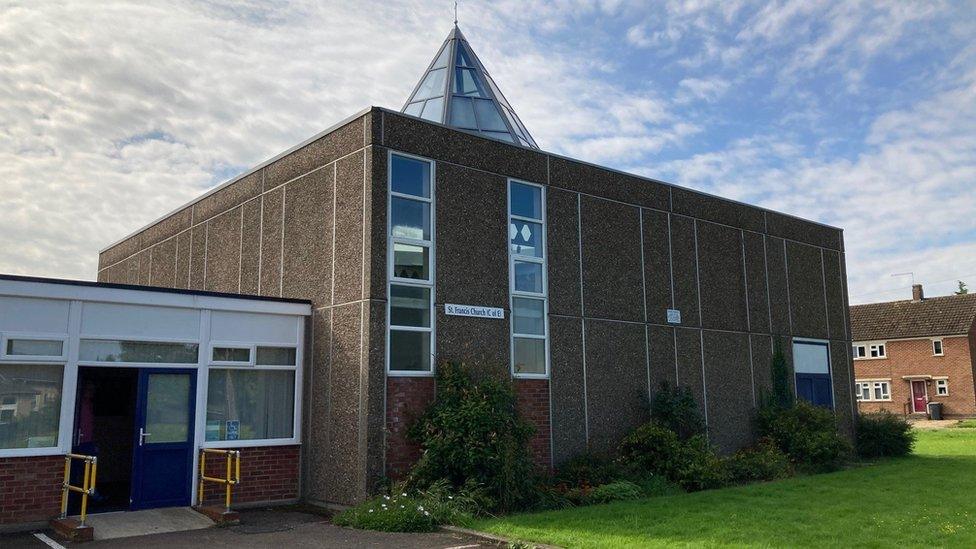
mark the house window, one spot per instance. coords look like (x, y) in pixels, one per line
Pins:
(30, 405)
(251, 396)
(937, 347)
(873, 391)
(410, 303)
(231, 355)
(942, 387)
(860, 351)
(811, 367)
(106, 350)
(527, 279)
(877, 350)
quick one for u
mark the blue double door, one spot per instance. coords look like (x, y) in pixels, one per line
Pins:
(162, 456)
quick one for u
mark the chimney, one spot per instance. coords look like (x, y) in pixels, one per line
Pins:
(917, 294)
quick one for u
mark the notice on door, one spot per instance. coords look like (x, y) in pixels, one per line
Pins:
(476, 311)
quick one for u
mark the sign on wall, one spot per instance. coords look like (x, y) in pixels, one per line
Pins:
(476, 311)
(674, 316)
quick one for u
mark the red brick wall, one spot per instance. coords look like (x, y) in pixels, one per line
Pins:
(914, 358)
(268, 473)
(30, 488)
(533, 405)
(406, 400)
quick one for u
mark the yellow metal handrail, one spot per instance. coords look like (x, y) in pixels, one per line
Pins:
(87, 487)
(233, 476)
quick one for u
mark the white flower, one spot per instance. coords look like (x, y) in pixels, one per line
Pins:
(426, 514)
(386, 497)
(401, 507)
(450, 497)
(404, 494)
(370, 510)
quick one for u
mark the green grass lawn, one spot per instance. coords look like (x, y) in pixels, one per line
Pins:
(928, 499)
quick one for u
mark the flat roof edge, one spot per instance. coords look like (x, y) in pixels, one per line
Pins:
(242, 175)
(152, 289)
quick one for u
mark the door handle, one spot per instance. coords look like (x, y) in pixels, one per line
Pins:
(142, 436)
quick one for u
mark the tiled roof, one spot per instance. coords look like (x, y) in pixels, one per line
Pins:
(932, 316)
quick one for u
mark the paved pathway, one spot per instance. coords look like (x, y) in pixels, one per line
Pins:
(271, 529)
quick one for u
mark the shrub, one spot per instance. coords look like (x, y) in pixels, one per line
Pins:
(473, 433)
(421, 512)
(676, 409)
(764, 461)
(388, 514)
(652, 485)
(883, 435)
(806, 433)
(614, 491)
(692, 463)
(588, 470)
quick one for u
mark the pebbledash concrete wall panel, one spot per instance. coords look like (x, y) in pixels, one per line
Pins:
(563, 247)
(568, 381)
(736, 273)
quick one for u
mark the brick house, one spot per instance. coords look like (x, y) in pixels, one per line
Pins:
(911, 352)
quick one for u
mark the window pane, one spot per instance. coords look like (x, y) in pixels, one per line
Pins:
(529, 316)
(442, 58)
(30, 405)
(530, 356)
(34, 347)
(409, 306)
(504, 136)
(230, 354)
(877, 391)
(277, 356)
(526, 201)
(414, 109)
(258, 404)
(137, 351)
(526, 238)
(410, 218)
(462, 113)
(488, 117)
(466, 82)
(168, 408)
(463, 58)
(433, 108)
(410, 176)
(528, 277)
(433, 84)
(409, 351)
(411, 261)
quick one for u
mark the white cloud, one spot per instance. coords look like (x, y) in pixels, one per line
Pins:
(113, 113)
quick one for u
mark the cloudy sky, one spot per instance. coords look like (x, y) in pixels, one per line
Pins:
(861, 115)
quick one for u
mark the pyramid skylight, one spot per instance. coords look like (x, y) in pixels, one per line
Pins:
(457, 91)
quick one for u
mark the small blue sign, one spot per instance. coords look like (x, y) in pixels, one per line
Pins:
(233, 429)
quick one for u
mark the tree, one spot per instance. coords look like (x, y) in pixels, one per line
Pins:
(963, 290)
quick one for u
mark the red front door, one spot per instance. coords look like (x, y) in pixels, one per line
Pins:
(918, 397)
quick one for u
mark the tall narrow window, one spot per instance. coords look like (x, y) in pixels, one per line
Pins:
(410, 299)
(527, 279)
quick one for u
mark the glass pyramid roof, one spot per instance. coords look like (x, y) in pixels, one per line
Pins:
(457, 91)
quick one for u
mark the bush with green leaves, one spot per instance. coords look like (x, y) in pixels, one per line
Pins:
(883, 435)
(806, 433)
(588, 469)
(620, 490)
(764, 461)
(692, 463)
(472, 432)
(388, 514)
(676, 409)
(419, 511)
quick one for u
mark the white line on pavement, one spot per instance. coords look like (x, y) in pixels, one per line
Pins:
(49, 542)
